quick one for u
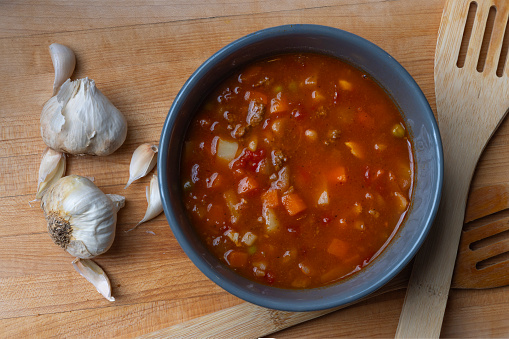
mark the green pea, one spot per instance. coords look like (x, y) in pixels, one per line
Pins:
(278, 88)
(251, 250)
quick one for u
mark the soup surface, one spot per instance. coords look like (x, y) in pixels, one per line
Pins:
(297, 171)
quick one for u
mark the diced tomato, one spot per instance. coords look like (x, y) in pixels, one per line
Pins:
(270, 199)
(236, 258)
(338, 174)
(278, 104)
(293, 203)
(338, 247)
(249, 159)
(256, 96)
(246, 185)
(270, 277)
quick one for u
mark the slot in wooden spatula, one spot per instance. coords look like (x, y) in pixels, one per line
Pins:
(472, 99)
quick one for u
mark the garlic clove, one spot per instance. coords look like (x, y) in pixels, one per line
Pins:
(95, 275)
(142, 162)
(51, 169)
(81, 120)
(155, 205)
(81, 218)
(64, 62)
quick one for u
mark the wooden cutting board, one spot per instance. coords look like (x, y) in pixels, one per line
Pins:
(140, 54)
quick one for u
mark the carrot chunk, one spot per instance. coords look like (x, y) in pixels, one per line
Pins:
(236, 258)
(293, 203)
(278, 104)
(338, 174)
(339, 248)
(270, 199)
(247, 184)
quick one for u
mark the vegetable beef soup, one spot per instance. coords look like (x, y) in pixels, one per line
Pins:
(297, 171)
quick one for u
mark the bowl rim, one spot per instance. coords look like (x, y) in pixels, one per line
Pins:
(162, 164)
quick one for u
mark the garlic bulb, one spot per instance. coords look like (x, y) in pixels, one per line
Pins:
(64, 61)
(81, 120)
(51, 169)
(81, 218)
(95, 275)
(143, 161)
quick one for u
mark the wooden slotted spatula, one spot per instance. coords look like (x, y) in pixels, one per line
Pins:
(472, 99)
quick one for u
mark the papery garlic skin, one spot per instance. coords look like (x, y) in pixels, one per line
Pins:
(95, 275)
(64, 62)
(155, 205)
(142, 162)
(81, 218)
(52, 168)
(81, 120)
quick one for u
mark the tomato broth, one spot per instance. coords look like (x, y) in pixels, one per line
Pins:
(297, 170)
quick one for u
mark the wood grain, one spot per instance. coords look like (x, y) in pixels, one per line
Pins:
(140, 53)
(471, 105)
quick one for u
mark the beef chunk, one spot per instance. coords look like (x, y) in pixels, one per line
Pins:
(278, 159)
(239, 131)
(255, 112)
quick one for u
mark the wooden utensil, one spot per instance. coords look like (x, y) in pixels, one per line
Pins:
(248, 320)
(471, 102)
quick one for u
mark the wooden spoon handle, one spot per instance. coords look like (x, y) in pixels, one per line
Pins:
(428, 289)
(250, 321)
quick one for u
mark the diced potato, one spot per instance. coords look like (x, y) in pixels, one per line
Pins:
(246, 185)
(357, 208)
(253, 144)
(311, 134)
(401, 201)
(277, 126)
(233, 204)
(293, 203)
(249, 238)
(259, 269)
(234, 237)
(271, 220)
(300, 283)
(317, 95)
(227, 149)
(304, 268)
(345, 85)
(374, 213)
(355, 149)
(359, 225)
(324, 199)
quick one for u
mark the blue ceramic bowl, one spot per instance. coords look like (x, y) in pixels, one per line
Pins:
(397, 83)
